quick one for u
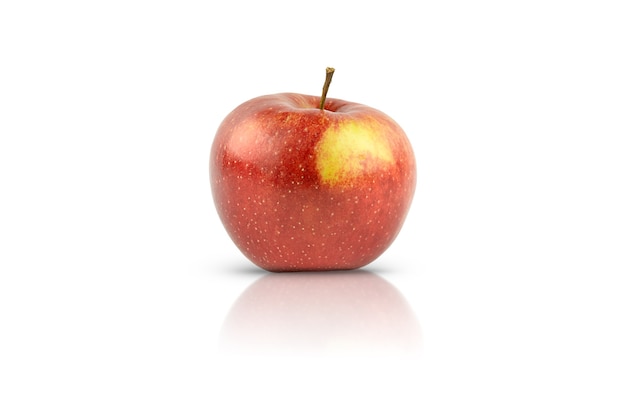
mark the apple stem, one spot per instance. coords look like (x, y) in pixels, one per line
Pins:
(329, 76)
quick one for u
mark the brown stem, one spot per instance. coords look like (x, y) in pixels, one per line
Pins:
(329, 76)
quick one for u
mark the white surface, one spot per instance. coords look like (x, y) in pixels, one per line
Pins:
(116, 276)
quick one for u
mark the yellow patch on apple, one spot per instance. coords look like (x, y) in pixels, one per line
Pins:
(349, 150)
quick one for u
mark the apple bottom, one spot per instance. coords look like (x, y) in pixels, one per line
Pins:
(315, 227)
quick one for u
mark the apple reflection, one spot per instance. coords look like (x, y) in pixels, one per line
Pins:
(321, 313)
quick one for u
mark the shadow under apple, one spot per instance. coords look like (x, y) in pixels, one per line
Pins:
(321, 313)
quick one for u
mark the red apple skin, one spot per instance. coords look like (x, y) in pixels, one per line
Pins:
(303, 189)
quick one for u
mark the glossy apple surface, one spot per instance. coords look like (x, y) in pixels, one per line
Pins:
(303, 189)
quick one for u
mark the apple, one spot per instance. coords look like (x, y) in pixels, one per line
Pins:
(306, 183)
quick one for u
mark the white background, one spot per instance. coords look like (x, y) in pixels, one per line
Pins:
(116, 277)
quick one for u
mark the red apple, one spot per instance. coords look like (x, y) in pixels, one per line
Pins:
(304, 188)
